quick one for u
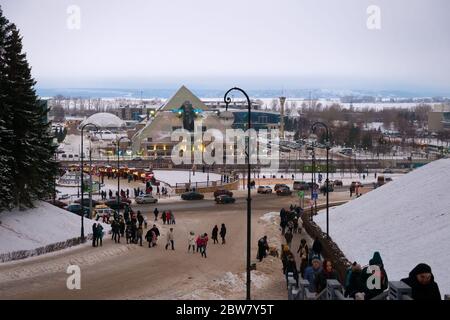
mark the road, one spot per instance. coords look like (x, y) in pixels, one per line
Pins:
(121, 271)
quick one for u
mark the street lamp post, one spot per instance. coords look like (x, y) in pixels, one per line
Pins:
(118, 174)
(313, 128)
(227, 101)
(82, 178)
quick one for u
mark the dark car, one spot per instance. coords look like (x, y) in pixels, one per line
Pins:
(279, 186)
(338, 183)
(192, 196)
(123, 199)
(324, 188)
(284, 191)
(57, 203)
(222, 192)
(316, 186)
(301, 185)
(113, 204)
(76, 208)
(225, 199)
(86, 202)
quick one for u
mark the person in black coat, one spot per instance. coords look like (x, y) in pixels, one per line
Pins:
(317, 247)
(94, 235)
(140, 219)
(291, 266)
(156, 212)
(263, 246)
(223, 232)
(214, 234)
(421, 281)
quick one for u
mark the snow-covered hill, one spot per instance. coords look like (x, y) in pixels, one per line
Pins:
(407, 221)
(39, 227)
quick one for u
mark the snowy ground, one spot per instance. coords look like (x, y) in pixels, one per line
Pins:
(407, 221)
(38, 227)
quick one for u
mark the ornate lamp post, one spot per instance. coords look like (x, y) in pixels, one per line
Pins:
(227, 101)
(327, 143)
(82, 178)
(118, 174)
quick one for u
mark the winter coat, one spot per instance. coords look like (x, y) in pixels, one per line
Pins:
(214, 233)
(191, 239)
(156, 231)
(291, 266)
(303, 251)
(375, 263)
(223, 232)
(355, 283)
(310, 275)
(99, 231)
(169, 236)
(288, 236)
(322, 277)
(317, 247)
(419, 291)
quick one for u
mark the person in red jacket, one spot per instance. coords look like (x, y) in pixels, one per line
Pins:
(204, 242)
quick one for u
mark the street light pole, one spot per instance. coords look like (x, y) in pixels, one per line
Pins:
(313, 128)
(82, 178)
(118, 174)
(227, 101)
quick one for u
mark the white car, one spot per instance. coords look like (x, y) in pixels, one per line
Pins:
(146, 198)
(264, 189)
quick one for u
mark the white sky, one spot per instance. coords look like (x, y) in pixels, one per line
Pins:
(257, 43)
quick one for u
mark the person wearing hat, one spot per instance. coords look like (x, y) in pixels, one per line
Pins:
(327, 273)
(353, 283)
(421, 281)
(374, 277)
(312, 271)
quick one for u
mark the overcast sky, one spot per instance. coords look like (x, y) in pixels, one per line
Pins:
(255, 43)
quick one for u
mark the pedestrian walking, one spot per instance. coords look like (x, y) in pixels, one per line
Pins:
(110, 194)
(198, 242)
(303, 252)
(122, 227)
(94, 235)
(204, 244)
(115, 228)
(99, 231)
(128, 193)
(139, 233)
(263, 246)
(156, 212)
(164, 217)
(223, 232)
(140, 218)
(170, 239)
(191, 242)
(288, 236)
(214, 234)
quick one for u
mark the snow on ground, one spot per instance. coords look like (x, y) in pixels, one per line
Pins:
(407, 221)
(270, 217)
(173, 177)
(38, 227)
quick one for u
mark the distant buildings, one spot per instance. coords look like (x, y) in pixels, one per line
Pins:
(439, 119)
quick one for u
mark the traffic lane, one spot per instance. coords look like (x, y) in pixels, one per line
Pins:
(258, 200)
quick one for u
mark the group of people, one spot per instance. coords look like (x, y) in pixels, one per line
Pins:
(97, 234)
(199, 243)
(290, 220)
(360, 283)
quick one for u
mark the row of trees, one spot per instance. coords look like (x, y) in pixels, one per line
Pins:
(27, 168)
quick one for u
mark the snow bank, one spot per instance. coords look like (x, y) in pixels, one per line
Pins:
(45, 226)
(407, 221)
(270, 217)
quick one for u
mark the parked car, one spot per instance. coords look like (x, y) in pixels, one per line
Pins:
(264, 189)
(324, 188)
(137, 159)
(113, 204)
(388, 170)
(76, 208)
(86, 202)
(280, 185)
(222, 192)
(301, 185)
(192, 195)
(64, 197)
(316, 186)
(146, 198)
(338, 183)
(285, 191)
(388, 179)
(225, 199)
(123, 199)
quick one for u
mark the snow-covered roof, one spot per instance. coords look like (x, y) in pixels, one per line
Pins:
(406, 220)
(105, 120)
